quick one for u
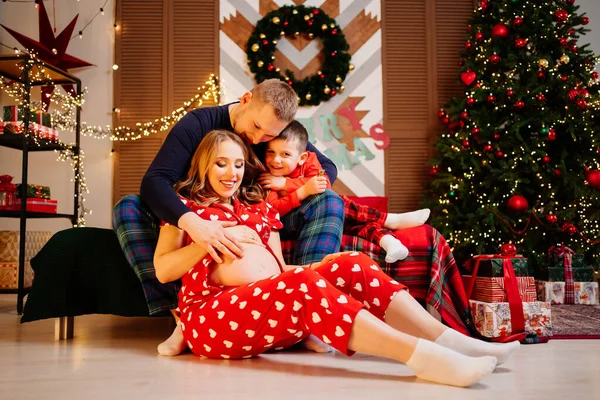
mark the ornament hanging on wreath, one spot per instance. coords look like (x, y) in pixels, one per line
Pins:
(314, 24)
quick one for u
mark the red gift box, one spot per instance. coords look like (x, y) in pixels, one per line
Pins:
(492, 290)
(38, 205)
(16, 127)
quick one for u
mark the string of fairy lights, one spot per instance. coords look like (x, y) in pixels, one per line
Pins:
(537, 152)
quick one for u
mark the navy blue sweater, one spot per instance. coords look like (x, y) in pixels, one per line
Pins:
(172, 161)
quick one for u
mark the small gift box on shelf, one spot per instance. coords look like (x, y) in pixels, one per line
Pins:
(17, 113)
(8, 192)
(38, 205)
(10, 240)
(40, 123)
(554, 292)
(35, 191)
(9, 275)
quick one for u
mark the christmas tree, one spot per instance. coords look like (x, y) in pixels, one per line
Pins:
(519, 157)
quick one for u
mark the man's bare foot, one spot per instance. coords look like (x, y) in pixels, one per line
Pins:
(315, 344)
(174, 345)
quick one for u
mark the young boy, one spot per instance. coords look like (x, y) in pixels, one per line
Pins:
(296, 174)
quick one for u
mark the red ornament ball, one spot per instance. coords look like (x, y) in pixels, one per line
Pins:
(517, 21)
(285, 23)
(491, 99)
(496, 136)
(290, 83)
(510, 92)
(564, 42)
(571, 2)
(434, 170)
(561, 15)
(551, 135)
(546, 159)
(564, 77)
(594, 75)
(571, 32)
(574, 48)
(476, 131)
(334, 31)
(468, 45)
(271, 67)
(316, 11)
(499, 154)
(540, 97)
(557, 172)
(541, 74)
(470, 101)
(519, 105)
(569, 228)
(333, 53)
(309, 22)
(517, 204)
(520, 43)
(265, 42)
(333, 92)
(581, 103)
(494, 58)
(441, 113)
(585, 20)
(593, 178)
(500, 31)
(466, 144)
(460, 63)
(445, 120)
(508, 249)
(479, 36)
(464, 115)
(572, 94)
(322, 76)
(488, 148)
(552, 218)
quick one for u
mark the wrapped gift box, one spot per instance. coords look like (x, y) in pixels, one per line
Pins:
(554, 292)
(492, 290)
(493, 319)
(9, 244)
(17, 113)
(16, 127)
(9, 273)
(35, 191)
(557, 274)
(38, 205)
(493, 267)
(557, 261)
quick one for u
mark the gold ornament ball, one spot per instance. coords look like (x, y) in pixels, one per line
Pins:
(308, 96)
(282, 33)
(306, 17)
(484, 162)
(262, 36)
(326, 90)
(298, 99)
(310, 36)
(260, 64)
(564, 59)
(274, 41)
(277, 69)
(311, 15)
(324, 27)
(342, 88)
(295, 12)
(319, 72)
(296, 33)
(351, 67)
(276, 20)
(338, 79)
(543, 63)
(255, 47)
(332, 25)
(272, 57)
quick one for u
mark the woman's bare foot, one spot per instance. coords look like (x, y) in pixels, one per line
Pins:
(174, 345)
(315, 344)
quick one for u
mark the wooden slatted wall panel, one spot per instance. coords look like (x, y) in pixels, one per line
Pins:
(451, 20)
(194, 48)
(420, 43)
(139, 87)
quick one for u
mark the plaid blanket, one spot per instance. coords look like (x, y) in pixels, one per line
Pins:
(430, 272)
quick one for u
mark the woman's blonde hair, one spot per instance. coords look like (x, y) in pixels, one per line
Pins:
(196, 186)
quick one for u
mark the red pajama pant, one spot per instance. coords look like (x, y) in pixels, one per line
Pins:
(364, 222)
(277, 312)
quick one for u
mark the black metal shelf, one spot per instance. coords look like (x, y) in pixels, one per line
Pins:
(31, 214)
(15, 141)
(25, 290)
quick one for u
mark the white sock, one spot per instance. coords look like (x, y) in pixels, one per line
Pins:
(475, 348)
(407, 220)
(394, 249)
(439, 364)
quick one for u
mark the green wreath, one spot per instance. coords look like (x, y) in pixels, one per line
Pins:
(295, 21)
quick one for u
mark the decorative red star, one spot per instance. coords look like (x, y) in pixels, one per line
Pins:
(51, 49)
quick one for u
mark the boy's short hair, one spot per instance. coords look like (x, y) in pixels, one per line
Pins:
(295, 131)
(280, 96)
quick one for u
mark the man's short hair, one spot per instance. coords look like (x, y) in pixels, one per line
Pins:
(280, 96)
(295, 131)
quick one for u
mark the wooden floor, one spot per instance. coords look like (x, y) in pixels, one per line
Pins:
(115, 358)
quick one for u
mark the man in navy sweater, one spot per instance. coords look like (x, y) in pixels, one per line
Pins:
(260, 116)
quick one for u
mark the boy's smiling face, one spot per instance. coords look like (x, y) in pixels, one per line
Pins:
(283, 156)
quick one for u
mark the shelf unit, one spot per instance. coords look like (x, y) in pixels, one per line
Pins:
(17, 68)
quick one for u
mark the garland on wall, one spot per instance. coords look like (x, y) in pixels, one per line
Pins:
(313, 23)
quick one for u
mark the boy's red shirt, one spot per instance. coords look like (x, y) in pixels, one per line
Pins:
(286, 200)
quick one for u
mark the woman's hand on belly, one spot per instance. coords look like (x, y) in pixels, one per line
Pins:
(258, 263)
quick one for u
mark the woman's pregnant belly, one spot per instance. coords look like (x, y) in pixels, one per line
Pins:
(258, 263)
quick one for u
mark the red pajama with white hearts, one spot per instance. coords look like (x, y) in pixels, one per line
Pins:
(245, 321)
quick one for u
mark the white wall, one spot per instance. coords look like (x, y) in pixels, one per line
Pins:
(96, 47)
(592, 10)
